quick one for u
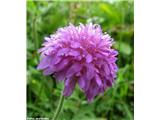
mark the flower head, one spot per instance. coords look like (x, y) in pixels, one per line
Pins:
(80, 55)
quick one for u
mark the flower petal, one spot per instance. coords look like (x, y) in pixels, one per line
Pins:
(98, 80)
(60, 76)
(73, 53)
(56, 59)
(92, 92)
(75, 68)
(106, 69)
(62, 51)
(90, 71)
(89, 58)
(82, 81)
(58, 67)
(48, 71)
(44, 63)
(75, 45)
(69, 86)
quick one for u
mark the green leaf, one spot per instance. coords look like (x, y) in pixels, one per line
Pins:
(124, 48)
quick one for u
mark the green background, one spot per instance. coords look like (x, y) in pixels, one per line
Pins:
(117, 19)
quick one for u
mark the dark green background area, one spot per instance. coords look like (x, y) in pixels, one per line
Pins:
(117, 19)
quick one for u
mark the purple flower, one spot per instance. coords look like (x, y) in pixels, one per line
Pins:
(80, 54)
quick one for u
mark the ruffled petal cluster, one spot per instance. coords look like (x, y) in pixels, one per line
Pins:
(80, 55)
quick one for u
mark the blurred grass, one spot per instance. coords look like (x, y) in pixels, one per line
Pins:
(116, 18)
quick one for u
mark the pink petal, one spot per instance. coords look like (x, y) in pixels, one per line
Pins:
(75, 68)
(60, 66)
(62, 51)
(74, 53)
(82, 82)
(48, 71)
(69, 87)
(89, 58)
(106, 69)
(90, 71)
(44, 63)
(75, 45)
(98, 80)
(56, 59)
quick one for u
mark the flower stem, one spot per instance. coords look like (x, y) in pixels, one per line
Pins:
(58, 110)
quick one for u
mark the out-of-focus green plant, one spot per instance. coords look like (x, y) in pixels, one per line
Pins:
(117, 18)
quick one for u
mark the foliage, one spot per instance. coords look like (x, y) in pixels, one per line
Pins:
(43, 18)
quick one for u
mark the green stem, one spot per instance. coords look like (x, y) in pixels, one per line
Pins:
(58, 110)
